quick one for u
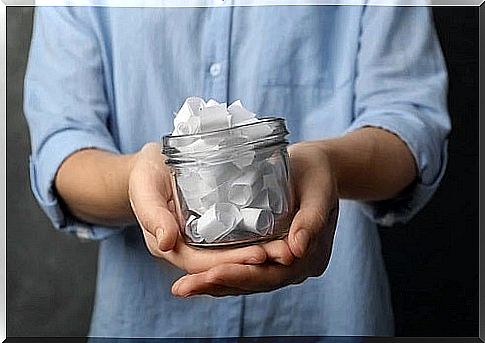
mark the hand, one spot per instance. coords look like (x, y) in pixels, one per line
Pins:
(310, 237)
(150, 193)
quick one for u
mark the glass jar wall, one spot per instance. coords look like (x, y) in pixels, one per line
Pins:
(231, 186)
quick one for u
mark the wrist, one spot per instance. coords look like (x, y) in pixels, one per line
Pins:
(319, 156)
(330, 154)
(330, 157)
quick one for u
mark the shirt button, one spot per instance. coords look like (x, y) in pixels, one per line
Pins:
(215, 69)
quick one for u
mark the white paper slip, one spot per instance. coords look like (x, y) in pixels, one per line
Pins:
(216, 174)
(216, 195)
(191, 184)
(239, 114)
(196, 116)
(245, 189)
(193, 106)
(202, 145)
(187, 127)
(256, 131)
(212, 102)
(191, 229)
(244, 159)
(261, 200)
(234, 139)
(218, 221)
(214, 118)
(187, 120)
(259, 221)
(195, 204)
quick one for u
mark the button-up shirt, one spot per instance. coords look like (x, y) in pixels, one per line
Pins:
(111, 78)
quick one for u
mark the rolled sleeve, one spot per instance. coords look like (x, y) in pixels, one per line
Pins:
(401, 87)
(43, 169)
(65, 107)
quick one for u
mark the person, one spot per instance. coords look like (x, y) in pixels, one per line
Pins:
(363, 90)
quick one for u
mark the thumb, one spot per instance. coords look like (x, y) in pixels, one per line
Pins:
(156, 218)
(149, 192)
(314, 187)
(317, 204)
(305, 229)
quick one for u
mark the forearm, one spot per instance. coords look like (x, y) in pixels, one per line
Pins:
(94, 186)
(369, 164)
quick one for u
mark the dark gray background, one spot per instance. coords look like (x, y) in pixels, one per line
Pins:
(432, 262)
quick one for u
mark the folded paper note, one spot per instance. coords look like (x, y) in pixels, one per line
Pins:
(239, 114)
(257, 220)
(191, 229)
(219, 220)
(236, 190)
(187, 120)
(217, 174)
(244, 159)
(197, 116)
(245, 188)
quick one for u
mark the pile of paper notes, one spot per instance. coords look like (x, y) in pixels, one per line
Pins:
(237, 196)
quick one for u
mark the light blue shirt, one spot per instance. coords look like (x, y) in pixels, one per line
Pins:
(111, 78)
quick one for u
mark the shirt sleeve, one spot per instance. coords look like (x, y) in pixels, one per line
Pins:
(65, 106)
(401, 86)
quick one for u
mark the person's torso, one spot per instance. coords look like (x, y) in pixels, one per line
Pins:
(296, 62)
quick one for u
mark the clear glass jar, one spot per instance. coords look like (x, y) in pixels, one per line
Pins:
(231, 186)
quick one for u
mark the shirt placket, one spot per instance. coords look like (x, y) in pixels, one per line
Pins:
(216, 45)
(216, 53)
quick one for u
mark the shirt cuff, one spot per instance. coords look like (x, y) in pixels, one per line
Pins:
(43, 169)
(430, 161)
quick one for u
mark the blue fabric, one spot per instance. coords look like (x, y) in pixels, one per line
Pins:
(111, 78)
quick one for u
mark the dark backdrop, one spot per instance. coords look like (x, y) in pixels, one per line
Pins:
(432, 262)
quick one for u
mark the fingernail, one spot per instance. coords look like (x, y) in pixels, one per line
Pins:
(280, 260)
(160, 233)
(302, 239)
(253, 260)
(284, 261)
(175, 289)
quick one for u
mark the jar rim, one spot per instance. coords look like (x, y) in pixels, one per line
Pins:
(174, 147)
(261, 120)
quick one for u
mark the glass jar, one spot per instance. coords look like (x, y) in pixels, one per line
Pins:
(231, 186)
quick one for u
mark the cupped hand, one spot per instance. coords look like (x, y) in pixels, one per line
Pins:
(150, 193)
(310, 238)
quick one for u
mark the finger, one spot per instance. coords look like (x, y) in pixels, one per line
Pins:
(195, 260)
(151, 243)
(213, 290)
(157, 220)
(279, 252)
(151, 210)
(248, 278)
(315, 204)
(304, 230)
(171, 206)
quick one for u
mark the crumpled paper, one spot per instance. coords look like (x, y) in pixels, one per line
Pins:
(218, 221)
(240, 194)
